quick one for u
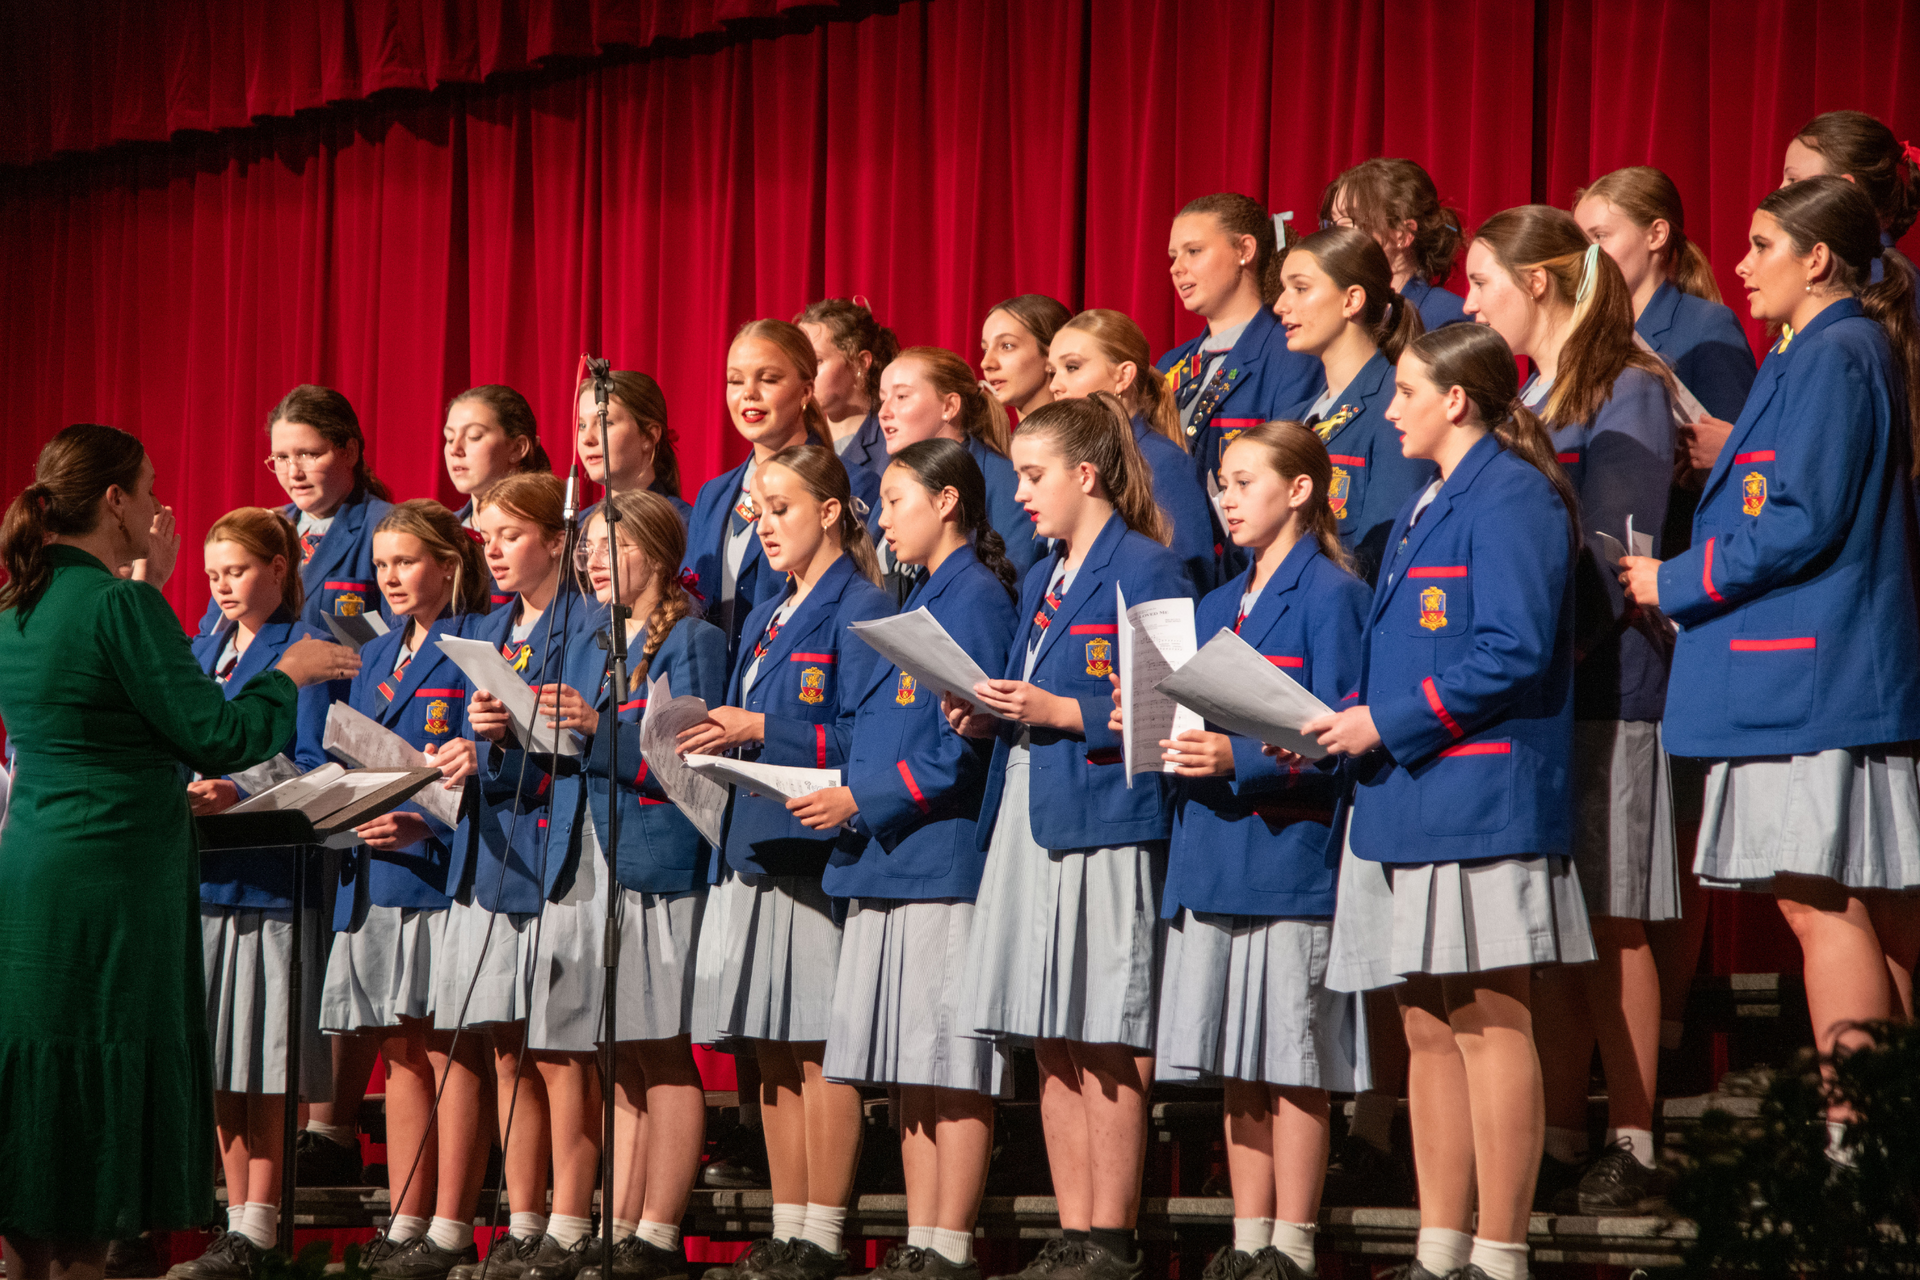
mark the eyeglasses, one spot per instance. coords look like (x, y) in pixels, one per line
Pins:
(278, 462)
(593, 551)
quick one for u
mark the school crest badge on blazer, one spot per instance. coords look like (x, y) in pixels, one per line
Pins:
(437, 716)
(1754, 493)
(1433, 608)
(1100, 657)
(813, 685)
(903, 694)
(349, 605)
(517, 655)
(1337, 490)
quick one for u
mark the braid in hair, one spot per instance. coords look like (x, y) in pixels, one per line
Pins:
(650, 525)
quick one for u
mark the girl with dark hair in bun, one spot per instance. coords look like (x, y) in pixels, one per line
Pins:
(1396, 203)
(850, 348)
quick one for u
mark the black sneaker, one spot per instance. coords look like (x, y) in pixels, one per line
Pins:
(319, 1161)
(422, 1259)
(135, 1257)
(1053, 1255)
(761, 1255)
(1362, 1174)
(1557, 1189)
(1618, 1185)
(1271, 1264)
(902, 1260)
(934, 1265)
(805, 1260)
(231, 1256)
(739, 1162)
(1230, 1263)
(507, 1260)
(636, 1259)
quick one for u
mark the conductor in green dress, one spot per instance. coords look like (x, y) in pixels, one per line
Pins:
(106, 1090)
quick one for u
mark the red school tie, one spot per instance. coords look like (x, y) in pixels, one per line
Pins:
(392, 682)
(309, 543)
(766, 641)
(1049, 603)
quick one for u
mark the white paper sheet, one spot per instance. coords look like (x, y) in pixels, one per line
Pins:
(917, 644)
(700, 798)
(1687, 408)
(366, 744)
(1609, 548)
(357, 630)
(1156, 636)
(1233, 686)
(783, 781)
(485, 666)
(294, 793)
(270, 774)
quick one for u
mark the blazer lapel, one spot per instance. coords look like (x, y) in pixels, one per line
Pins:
(268, 641)
(1658, 317)
(817, 608)
(427, 660)
(1435, 515)
(332, 552)
(1091, 579)
(1277, 597)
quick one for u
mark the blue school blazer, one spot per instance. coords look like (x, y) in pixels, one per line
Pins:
(660, 850)
(1079, 797)
(1621, 464)
(1372, 479)
(917, 782)
(867, 450)
(707, 549)
(1704, 345)
(1184, 499)
(261, 878)
(1008, 518)
(429, 706)
(503, 841)
(1436, 304)
(339, 578)
(1260, 843)
(1796, 601)
(1258, 381)
(1470, 674)
(674, 500)
(808, 667)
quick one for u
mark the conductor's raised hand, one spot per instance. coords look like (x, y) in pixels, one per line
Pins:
(312, 661)
(163, 550)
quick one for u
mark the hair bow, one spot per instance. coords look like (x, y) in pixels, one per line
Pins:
(1587, 267)
(690, 583)
(1912, 153)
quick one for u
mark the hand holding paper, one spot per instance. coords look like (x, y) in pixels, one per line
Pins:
(488, 670)
(1155, 637)
(368, 744)
(701, 799)
(782, 781)
(1234, 687)
(917, 644)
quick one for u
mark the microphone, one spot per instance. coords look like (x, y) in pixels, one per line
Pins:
(601, 371)
(571, 510)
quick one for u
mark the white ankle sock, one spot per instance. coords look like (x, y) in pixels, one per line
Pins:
(1837, 1149)
(825, 1225)
(1251, 1235)
(1568, 1146)
(661, 1235)
(405, 1227)
(1442, 1250)
(955, 1246)
(624, 1227)
(1500, 1260)
(261, 1223)
(450, 1234)
(1672, 1032)
(236, 1215)
(342, 1134)
(1295, 1239)
(527, 1226)
(1640, 1141)
(1373, 1118)
(789, 1220)
(919, 1237)
(566, 1230)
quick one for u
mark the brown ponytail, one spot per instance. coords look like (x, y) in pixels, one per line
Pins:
(1856, 144)
(1098, 431)
(1121, 342)
(649, 523)
(265, 535)
(1644, 195)
(448, 542)
(1238, 216)
(1351, 257)
(1477, 360)
(74, 471)
(853, 329)
(940, 464)
(1294, 450)
(981, 418)
(331, 415)
(798, 349)
(825, 476)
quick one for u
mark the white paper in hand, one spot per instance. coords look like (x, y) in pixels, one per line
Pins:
(782, 781)
(488, 670)
(365, 743)
(1155, 637)
(917, 644)
(1232, 685)
(701, 799)
(1687, 408)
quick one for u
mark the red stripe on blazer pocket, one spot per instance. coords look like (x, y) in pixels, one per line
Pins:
(811, 657)
(913, 788)
(350, 586)
(1095, 629)
(438, 693)
(1346, 460)
(1438, 571)
(1771, 646)
(1566, 459)
(1279, 661)
(1479, 749)
(1758, 455)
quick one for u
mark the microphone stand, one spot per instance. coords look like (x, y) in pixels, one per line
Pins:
(601, 372)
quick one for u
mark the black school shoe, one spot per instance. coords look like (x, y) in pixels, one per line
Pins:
(422, 1259)
(1618, 1185)
(636, 1259)
(319, 1161)
(1232, 1264)
(1471, 1272)
(1414, 1271)
(585, 1252)
(1083, 1260)
(910, 1262)
(761, 1255)
(805, 1260)
(509, 1258)
(131, 1257)
(739, 1161)
(231, 1256)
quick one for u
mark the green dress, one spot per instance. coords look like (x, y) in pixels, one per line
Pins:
(106, 1086)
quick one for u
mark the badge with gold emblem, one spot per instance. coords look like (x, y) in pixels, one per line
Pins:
(349, 605)
(813, 685)
(517, 655)
(1433, 608)
(1754, 493)
(1100, 657)
(1337, 490)
(904, 693)
(437, 716)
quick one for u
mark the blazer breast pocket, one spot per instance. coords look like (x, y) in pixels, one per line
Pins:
(1436, 601)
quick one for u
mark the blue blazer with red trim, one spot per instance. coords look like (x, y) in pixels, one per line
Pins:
(1261, 379)
(808, 668)
(1260, 842)
(339, 577)
(1079, 797)
(1621, 464)
(660, 850)
(502, 843)
(1372, 479)
(262, 878)
(1006, 516)
(1184, 499)
(1436, 304)
(917, 782)
(1469, 674)
(1704, 345)
(429, 705)
(1796, 601)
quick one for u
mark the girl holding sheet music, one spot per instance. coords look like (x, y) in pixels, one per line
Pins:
(770, 943)
(392, 902)
(911, 801)
(246, 896)
(1065, 930)
(1563, 303)
(1250, 873)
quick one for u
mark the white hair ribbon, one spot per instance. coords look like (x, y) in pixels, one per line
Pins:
(1587, 267)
